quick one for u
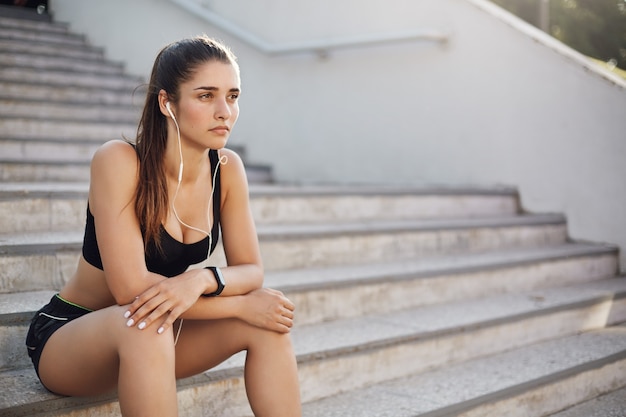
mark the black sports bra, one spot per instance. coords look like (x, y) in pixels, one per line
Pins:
(175, 256)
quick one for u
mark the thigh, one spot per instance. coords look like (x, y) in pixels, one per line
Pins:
(203, 344)
(81, 358)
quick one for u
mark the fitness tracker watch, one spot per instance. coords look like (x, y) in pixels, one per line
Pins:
(220, 281)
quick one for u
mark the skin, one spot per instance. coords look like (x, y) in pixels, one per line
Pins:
(128, 342)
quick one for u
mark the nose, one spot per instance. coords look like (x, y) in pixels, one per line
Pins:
(222, 110)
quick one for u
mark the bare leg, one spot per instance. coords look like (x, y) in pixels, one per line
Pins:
(93, 354)
(271, 373)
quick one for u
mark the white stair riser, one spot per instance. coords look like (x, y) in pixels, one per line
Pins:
(38, 271)
(41, 214)
(406, 359)
(324, 304)
(38, 151)
(65, 131)
(90, 54)
(60, 64)
(42, 172)
(18, 91)
(548, 399)
(308, 252)
(49, 37)
(341, 208)
(59, 78)
(51, 110)
(33, 26)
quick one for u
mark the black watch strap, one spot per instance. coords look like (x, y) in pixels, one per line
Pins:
(220, 281)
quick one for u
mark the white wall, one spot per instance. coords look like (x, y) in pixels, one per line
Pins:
(499, 104)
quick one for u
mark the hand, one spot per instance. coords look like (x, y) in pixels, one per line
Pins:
(268, 309)
(164, 302)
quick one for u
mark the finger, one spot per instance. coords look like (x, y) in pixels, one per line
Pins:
(148, 302)
(139, 301)
(170, 318)
(162, 309)
(285, 321)
(288, 313)
(143, 310)
(282, 328)
(288, 304)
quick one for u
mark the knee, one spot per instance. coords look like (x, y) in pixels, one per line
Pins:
(262, 338)
(131, 340)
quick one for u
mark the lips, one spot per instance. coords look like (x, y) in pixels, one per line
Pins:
(220, 129)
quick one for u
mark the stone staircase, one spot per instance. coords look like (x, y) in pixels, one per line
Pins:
(414, 302)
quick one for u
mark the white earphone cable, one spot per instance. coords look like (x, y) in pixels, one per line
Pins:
(222, 160)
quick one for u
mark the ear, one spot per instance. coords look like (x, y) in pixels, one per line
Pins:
(163, 100)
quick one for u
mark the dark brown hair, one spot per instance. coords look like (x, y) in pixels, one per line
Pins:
(174, 65)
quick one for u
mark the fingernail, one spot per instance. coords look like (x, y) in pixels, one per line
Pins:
(161, 329)
(142, 325)
(130, 322)
(127, 314)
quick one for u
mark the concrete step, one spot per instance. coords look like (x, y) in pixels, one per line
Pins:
(608, 405)
(36, 206)
(532, 381)
(86, 95)
(78, 171)
(339, 243)
(86, 52)
(69, 78)
(50, 110)
(35, 257)
(327, 294)
(375, 349)
(40, 171)
(39, 32)
(310, 204)
(29, 25)
(62, 63)
(64, 131)
(47, 151)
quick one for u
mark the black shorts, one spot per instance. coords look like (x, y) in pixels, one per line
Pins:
(57, 313)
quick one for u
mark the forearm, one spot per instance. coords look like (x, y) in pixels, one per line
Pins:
(214, 308)
(241, 279)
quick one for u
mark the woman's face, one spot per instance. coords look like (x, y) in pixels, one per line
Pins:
(208, 107)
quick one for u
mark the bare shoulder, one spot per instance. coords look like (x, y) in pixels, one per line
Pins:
(114, 171)
(114, 155)
(233, 175)
(232, 166)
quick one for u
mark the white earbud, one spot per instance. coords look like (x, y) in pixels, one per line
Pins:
(167, 106)
(180, 169)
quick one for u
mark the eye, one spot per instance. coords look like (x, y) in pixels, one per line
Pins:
(234, 96)
(206, 96)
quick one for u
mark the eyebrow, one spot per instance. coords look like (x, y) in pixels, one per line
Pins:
(232, 90)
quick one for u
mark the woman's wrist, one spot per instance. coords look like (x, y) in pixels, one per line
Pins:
(216, 282)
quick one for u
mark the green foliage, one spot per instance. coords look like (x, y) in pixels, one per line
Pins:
(596, 28)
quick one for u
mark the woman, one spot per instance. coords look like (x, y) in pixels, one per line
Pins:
(133, 316)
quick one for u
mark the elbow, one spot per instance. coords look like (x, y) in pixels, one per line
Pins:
(123, 296)
(126, 290)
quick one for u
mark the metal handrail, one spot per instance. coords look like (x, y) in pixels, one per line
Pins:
(320, 47)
